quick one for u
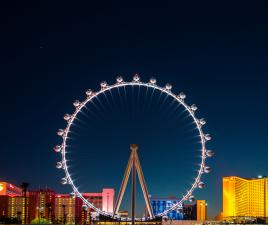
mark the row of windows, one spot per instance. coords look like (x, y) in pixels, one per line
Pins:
(250, 198)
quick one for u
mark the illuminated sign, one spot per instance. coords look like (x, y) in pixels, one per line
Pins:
(2, 188)
(9, 189)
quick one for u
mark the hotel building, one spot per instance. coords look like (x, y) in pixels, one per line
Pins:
(245, 197)
(195, 211)
(201, 210)
(45, 203)
(41, 204)
(15, 207)
(160, 205)
(65, 208)
(11, 200)
(103, 200)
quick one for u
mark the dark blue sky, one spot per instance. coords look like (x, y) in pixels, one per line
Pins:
(217, 54)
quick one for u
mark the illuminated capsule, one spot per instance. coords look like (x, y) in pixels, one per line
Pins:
(57, 148)
(165, 218)
(103, 84)
(207, 137)
(64, 180)
(182, 95)
(168, 87)
(89, 92)
(179, 210)
(84, 207)
(60, 132)
(76, 103)
(72, 195)
(201, 185)
(191, 198)
(59, 165)
(207, 169)
(136, 78)
(67, 117)
(202, 121)
(209, 153)
(193, 107)
(153, 80)
(119, 79)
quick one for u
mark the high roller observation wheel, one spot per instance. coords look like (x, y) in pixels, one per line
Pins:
(199, 123)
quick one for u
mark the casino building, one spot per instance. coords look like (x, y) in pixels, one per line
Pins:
(194, 211)
(65, 209)
(160, 205)
(103, 200)
(245, 197)
(41, 204)
(10, 200)
(45, 203)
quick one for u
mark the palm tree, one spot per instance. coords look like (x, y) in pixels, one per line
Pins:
(19, 216)
(24, 186)
(49, 208)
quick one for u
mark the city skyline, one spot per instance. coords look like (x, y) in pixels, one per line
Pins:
(219, 61)
(53, 205)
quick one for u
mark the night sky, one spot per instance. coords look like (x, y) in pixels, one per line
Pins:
(51, 54)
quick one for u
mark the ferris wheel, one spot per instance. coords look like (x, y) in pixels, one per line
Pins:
(104, 87)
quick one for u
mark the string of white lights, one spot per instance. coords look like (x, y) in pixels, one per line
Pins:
(203, 168)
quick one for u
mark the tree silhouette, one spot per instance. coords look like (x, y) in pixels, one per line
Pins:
(49, 208)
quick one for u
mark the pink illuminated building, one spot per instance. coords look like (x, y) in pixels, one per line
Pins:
(103, 200)
(108, 200)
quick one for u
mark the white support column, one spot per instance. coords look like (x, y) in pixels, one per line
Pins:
(134, 166)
